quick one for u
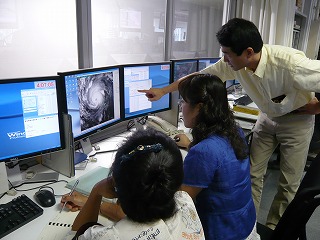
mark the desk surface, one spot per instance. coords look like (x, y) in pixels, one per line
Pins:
(32, 230)
(245, 116)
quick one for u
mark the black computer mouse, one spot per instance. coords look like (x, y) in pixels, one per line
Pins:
(45, 198)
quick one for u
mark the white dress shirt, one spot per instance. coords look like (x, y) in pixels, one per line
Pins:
(281, 71)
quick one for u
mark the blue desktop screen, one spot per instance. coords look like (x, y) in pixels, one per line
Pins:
(29, 118)
(145, 76)
(93, 99)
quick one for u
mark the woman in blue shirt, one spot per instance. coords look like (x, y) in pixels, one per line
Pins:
(217, 166)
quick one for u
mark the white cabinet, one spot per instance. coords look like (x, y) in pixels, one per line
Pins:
(306, 30)
(314, 40)
(314, 33)
(301, 25)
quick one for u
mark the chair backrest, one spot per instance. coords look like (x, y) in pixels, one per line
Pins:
(314, 144)
(292, 224)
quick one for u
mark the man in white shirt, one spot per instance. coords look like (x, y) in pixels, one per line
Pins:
(281, 81)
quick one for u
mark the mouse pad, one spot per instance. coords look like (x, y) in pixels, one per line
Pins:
(89, 179)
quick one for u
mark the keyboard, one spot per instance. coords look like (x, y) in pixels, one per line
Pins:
(244, 100)
(16, 213)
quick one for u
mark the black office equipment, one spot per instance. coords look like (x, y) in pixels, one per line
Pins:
(292, 224)
(45, 198)
(243, 100)
(16, 213)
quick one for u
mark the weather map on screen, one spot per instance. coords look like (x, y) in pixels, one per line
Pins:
(183, 67)
(93, 99)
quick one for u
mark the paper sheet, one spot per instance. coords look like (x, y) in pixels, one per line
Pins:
(59, 227)
(88, 180)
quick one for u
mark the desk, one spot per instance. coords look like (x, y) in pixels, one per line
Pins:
(246, 121)
(32, 230)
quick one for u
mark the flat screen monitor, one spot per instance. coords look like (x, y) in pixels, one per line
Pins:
(230, 83)
(30, 117)
(145, 76)
(205, 62)
(183, 67)
(92, 99)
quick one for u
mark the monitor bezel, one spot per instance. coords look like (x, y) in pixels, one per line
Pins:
(123, 95)
(85, 70)
(57, 79)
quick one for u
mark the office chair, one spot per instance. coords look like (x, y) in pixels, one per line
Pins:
(292, 225)
(315, 141)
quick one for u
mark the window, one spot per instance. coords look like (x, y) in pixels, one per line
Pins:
(37, 37)
(127, 31)
(194, 27)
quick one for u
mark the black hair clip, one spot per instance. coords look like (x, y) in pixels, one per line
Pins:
(142, 149)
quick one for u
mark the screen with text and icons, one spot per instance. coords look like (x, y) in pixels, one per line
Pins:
(30, 117)
(145, 76)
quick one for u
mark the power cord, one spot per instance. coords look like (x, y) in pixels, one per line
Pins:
(141, 120)
(14, 188)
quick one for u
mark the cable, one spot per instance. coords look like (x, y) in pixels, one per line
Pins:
(130, 124)
(141, 120)
(3, 194)
(12, 164)
(42, 186)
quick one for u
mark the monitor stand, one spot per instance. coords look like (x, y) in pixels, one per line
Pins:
(4, 186)
(63, 161)
(17, 177)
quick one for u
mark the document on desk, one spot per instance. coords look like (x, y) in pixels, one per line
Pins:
(89, 179)
(60, 226)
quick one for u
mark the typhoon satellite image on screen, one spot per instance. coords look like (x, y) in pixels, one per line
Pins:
(96, 99)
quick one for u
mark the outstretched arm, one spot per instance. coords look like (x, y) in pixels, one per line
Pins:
(154, 94)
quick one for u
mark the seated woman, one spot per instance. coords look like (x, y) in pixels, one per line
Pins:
(146, 176)
(217, 166)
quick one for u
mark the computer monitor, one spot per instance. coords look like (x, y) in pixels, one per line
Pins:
(92, 99)
(145, 76)
(183, 67)
(231, 85)
(205, 62)
(30, 117)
